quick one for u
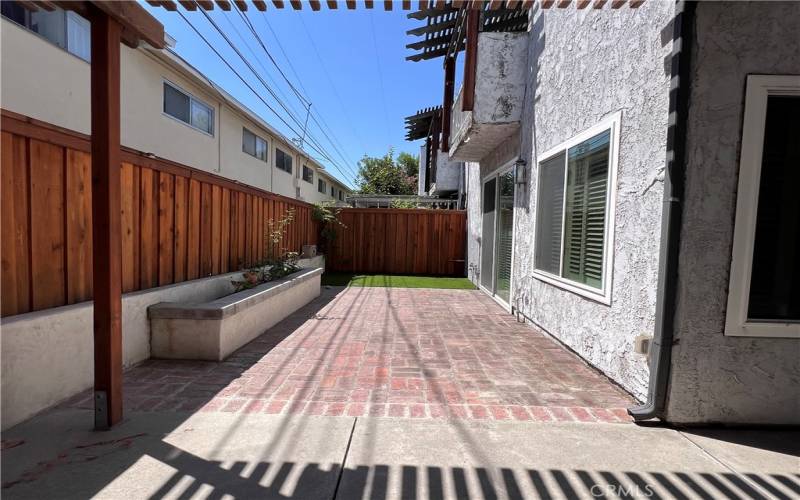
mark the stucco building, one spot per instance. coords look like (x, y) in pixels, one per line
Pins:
(627, 173)
(169, 108)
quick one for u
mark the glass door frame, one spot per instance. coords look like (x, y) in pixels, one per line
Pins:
(496, 174)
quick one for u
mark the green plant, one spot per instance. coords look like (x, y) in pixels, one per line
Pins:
(328, 216)
(403, 204)
(274, 237)
(278, 262)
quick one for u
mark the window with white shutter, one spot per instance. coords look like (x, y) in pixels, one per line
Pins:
(573, 211)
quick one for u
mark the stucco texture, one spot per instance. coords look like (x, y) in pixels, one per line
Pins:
(717, 378)
(583, 66)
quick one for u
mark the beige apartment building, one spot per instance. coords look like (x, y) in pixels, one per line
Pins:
(169, 109)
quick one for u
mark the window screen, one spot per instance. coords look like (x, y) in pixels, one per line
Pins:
(176, 103)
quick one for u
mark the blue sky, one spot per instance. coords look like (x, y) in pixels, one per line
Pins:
(349, 63)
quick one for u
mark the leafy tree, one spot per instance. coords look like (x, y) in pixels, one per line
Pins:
(382, 175)
(409, 163)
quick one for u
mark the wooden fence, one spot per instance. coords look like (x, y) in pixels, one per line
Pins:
(398, 241)
(178, 223)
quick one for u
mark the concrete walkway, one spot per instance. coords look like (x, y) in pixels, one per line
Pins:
(218, 455)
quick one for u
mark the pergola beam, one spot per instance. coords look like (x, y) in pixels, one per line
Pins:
(447, 105)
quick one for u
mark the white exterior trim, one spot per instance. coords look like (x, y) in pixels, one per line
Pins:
(759, 88)
(603, 295)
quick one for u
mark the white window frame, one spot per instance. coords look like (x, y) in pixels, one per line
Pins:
(759, 88)
(192, 99)
(611, 123)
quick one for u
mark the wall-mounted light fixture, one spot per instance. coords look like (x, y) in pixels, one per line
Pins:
(520, 171)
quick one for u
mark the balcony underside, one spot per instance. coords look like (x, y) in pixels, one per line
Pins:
(479, 139)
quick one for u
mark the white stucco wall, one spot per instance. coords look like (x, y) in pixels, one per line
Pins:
(715, 378)
(56, 90)
(583, 66)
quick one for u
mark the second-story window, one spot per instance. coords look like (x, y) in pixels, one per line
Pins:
(341, 195)
(333, 192)
(66, 29)
(186, 108)
(321, 186)
(254, 145)
(283, 160)
(308, 174)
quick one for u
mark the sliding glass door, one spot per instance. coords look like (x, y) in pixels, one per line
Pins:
(497, 235)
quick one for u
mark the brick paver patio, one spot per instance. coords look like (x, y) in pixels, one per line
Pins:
(388, 352)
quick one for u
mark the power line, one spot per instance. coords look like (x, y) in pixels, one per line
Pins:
(247, 84)
(333, 85)
(311, 112)
(380, 75)
(311, 139)
(300, 82)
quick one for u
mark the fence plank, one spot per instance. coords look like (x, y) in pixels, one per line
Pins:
(79, 226)
(181, 227)
(15, 287)
(48, 279)
(193, 231)
(129, 206)
(166, 228)
(148, 228)
(225, 228)
(206, 234)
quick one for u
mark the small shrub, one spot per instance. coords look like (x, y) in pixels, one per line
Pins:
(328, 216)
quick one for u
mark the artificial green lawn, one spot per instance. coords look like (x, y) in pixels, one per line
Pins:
(396, 281)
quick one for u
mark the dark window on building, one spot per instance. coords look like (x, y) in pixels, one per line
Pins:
(254, 145)
(333, 192)
(182, 106)
(341, 195)
(66, 29)
(775, 278)
(321, 186)
(308, 174)
(283, 160)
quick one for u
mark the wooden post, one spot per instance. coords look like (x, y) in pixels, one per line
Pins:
(449, 84)
(471, 59)
(106, 239)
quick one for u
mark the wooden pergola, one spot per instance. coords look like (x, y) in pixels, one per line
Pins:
(112, 23)
(426, 123)
(453, 26)
(423, 5)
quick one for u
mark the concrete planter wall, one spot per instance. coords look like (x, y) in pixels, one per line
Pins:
(47, 355)
(213, 330)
